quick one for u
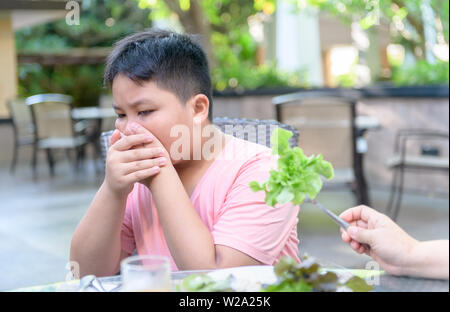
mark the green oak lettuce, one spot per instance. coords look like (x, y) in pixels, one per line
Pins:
(297, 175)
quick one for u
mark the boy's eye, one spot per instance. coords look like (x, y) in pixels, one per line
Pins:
(144, 113)
(120, 115)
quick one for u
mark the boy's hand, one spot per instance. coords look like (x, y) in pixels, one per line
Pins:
(130, 159)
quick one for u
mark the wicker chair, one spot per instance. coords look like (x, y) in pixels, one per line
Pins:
(23, 127)
(253, 130)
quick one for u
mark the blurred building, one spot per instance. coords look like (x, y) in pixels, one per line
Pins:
(324, 46)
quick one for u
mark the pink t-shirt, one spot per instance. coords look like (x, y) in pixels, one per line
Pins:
(235, 215)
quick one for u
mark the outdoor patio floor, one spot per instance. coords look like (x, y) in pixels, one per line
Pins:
(38, 219)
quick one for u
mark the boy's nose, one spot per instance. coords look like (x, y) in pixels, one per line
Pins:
(131, 128)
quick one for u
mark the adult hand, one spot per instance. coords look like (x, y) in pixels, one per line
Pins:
(390, 245)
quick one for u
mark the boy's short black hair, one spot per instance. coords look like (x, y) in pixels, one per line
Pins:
(173, 61)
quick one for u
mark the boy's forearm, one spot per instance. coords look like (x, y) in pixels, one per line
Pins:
(96, 242)
(429, 259)
(189, 240)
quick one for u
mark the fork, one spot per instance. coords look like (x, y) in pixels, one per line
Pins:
(335, 218)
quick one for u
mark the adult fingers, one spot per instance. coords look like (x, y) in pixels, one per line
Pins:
(361, 249)
(355, 245)
(345, 237)
(361, 235)
(359, 223)
(359, 213)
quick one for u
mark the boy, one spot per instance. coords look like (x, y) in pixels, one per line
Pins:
(198, 209)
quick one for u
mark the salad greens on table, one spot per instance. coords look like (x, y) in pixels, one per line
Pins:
(297, 176)
(307, 276)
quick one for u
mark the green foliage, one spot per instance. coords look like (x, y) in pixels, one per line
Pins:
(234, 48)
(372, 13)
(306, 276)
(83, 82)
(421, 73)
(347, 80)
(237, 69)
(297, 176)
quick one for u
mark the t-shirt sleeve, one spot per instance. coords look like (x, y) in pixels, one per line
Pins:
(246, 223)
(127, 236)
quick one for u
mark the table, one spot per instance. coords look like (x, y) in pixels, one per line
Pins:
(97, 115)
(387, 283)
(93, 113)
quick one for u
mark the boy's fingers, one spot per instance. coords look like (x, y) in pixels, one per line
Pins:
(127, 142)
(114, 137)
(144, 164)
(141, 154)
(136, 128)
(143, 174)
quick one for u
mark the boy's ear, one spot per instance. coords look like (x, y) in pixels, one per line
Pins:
(199, 105)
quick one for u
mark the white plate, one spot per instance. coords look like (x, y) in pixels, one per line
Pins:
(247, 278)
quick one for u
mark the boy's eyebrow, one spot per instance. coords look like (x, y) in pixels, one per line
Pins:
(134, 104)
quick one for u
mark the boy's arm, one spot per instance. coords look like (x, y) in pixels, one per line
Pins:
(189, 240)
(96, 242)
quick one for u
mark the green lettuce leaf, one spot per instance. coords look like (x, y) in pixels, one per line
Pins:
(297, 175)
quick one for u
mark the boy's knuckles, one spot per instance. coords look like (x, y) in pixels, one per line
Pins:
(135, 154)
(143, 164)
(139, 175)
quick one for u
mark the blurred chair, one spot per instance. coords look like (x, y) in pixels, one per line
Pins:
(106, 101)
(55, 128)
(405, 158)
(328, 126)
(253, 130)
(23, 127)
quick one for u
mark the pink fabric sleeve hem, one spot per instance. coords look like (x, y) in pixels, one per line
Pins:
(245, 248)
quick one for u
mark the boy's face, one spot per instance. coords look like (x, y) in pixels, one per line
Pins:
(152, 107)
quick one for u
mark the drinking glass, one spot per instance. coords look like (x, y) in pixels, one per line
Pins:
(146, 273)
